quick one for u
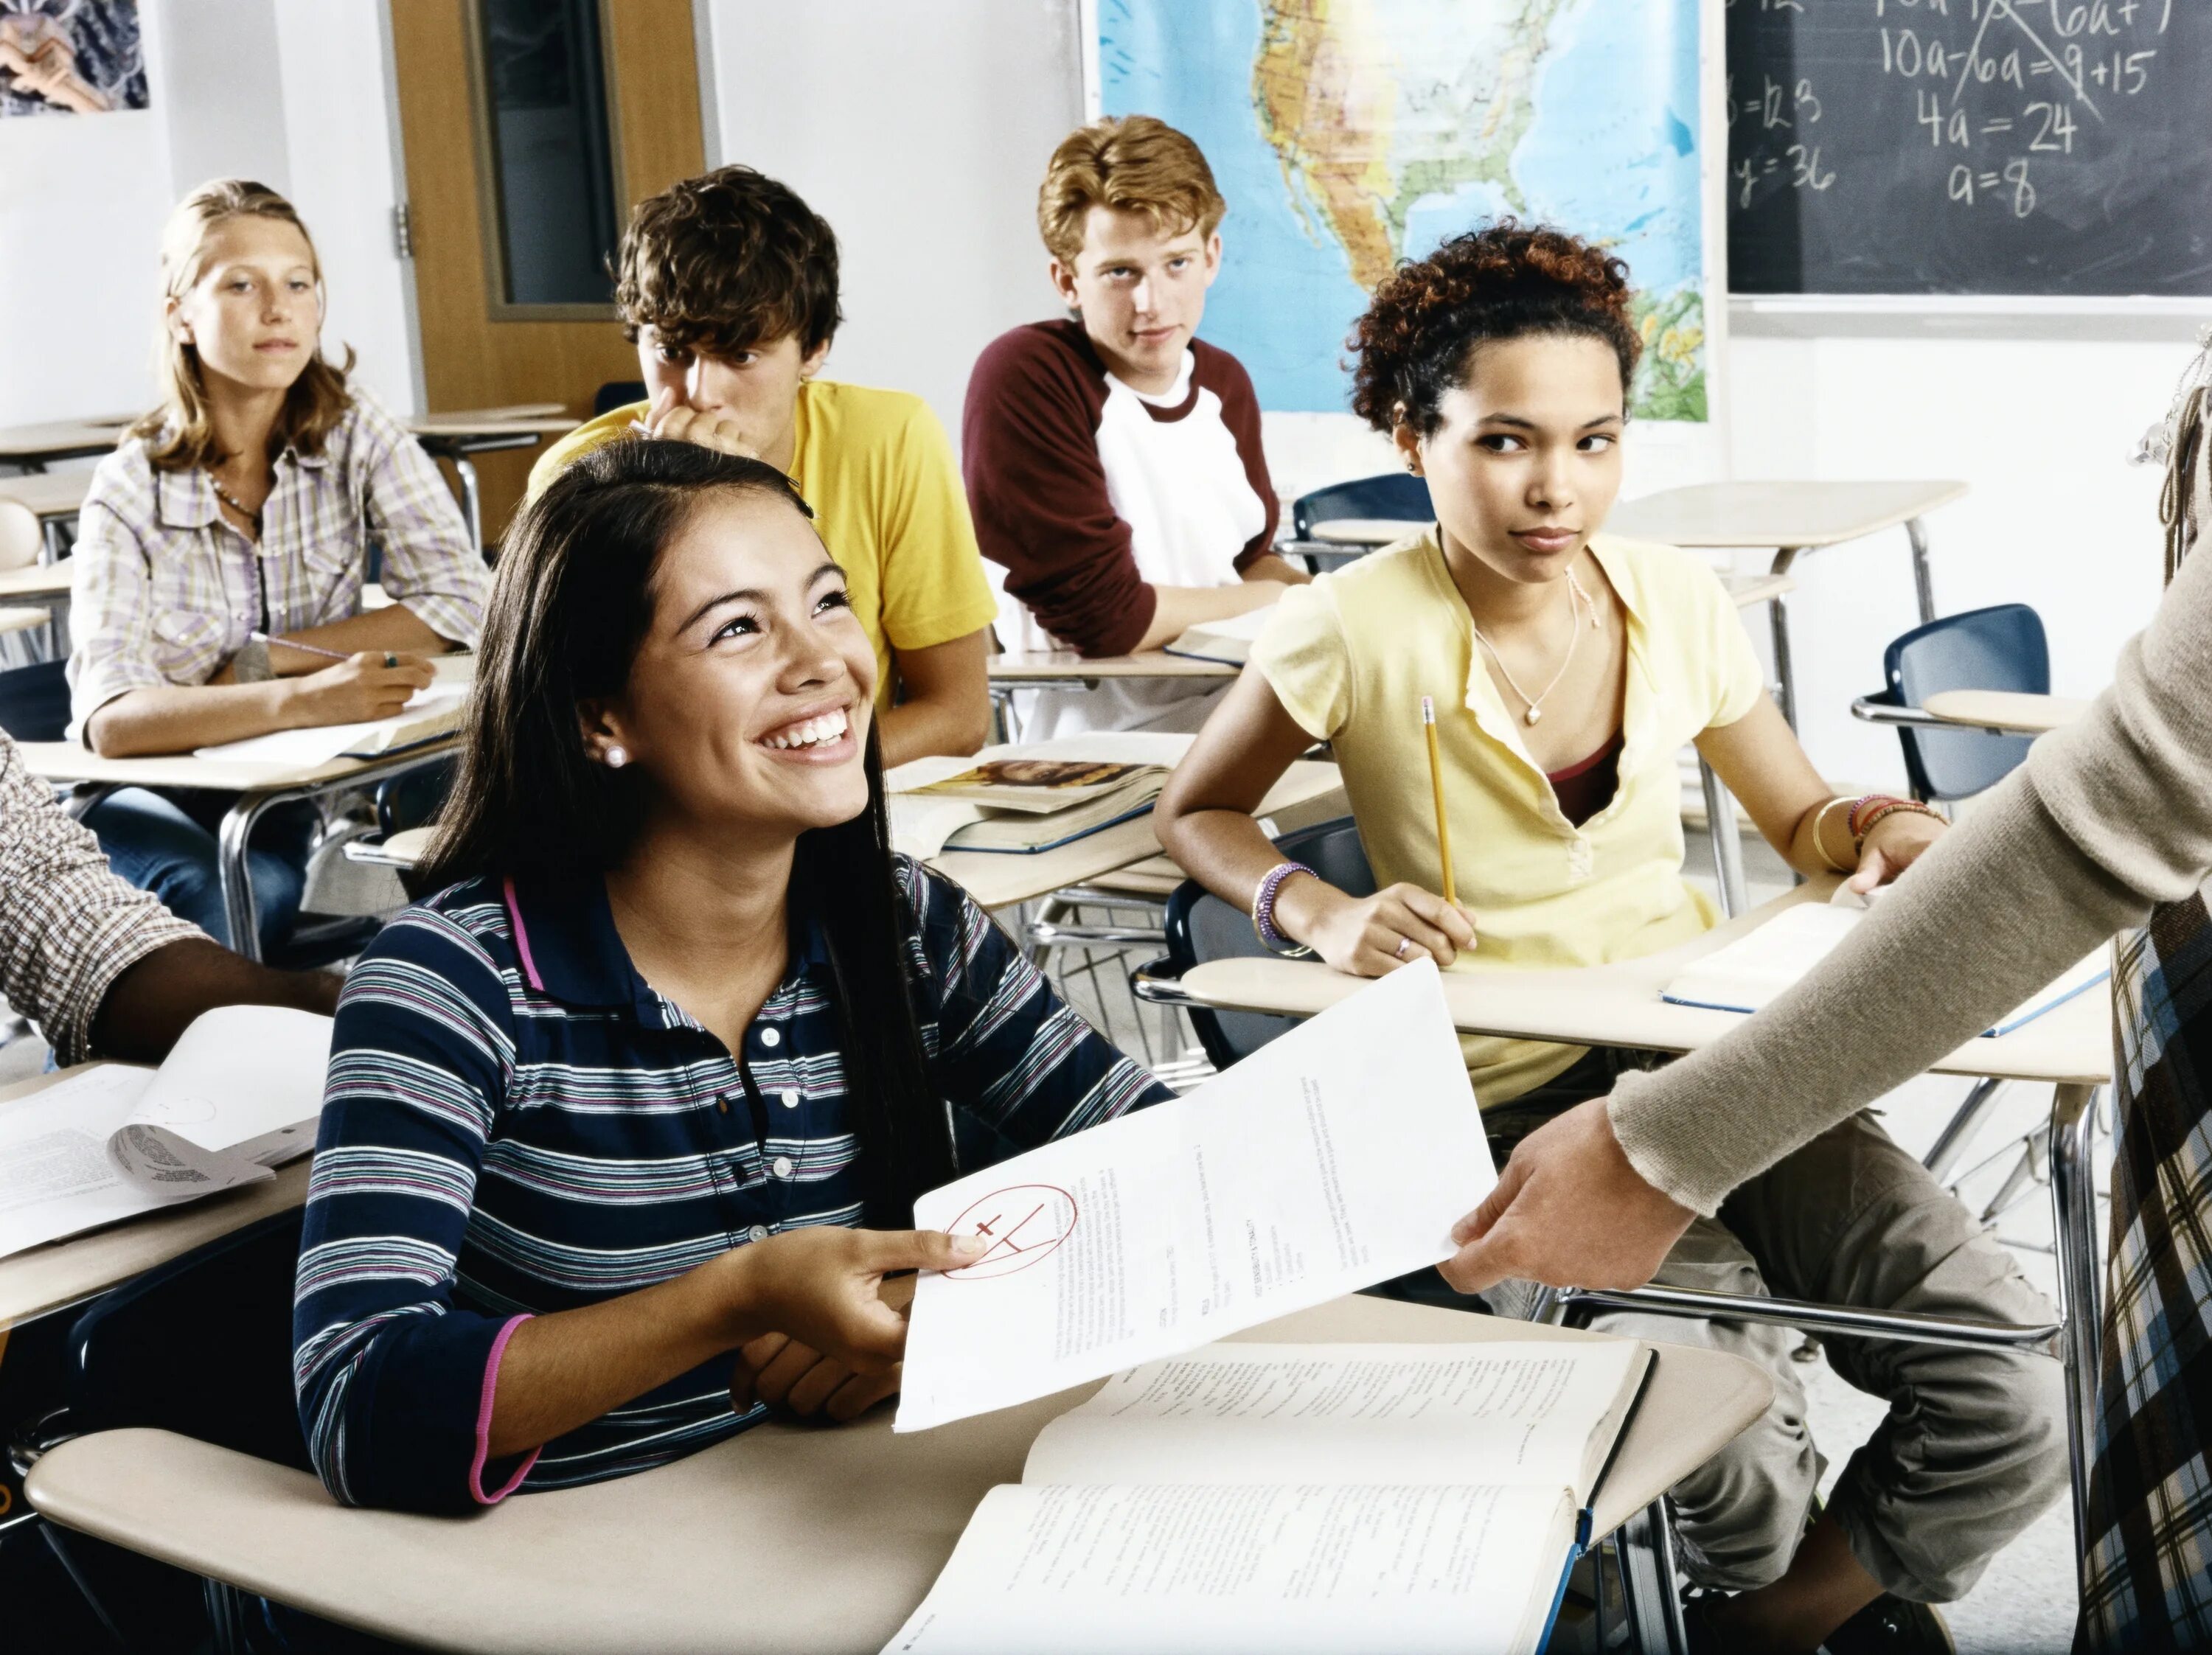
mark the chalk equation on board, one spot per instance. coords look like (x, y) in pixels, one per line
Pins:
(2002, 92)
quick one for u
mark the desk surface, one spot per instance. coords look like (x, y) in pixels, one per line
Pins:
(36, 580)
(2005, 710)
(21, 619)
(71, 761)
(62, 439)
(1065, 666)
(1620, 1005)
(48, 493)
(77, 1267)
(787, 1540)
(459, 428)
(1776, 514)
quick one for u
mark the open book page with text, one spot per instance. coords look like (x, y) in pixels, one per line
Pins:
(1332, 1159)
(240, 1094)
(1272, 1569)
(1761, 966)
(1538, 1413)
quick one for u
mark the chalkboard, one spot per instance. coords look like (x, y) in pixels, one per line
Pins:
(1990, 147)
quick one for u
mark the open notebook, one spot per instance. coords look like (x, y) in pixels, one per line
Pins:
(429, 715)
(1295, 1497)
(1229, 640)
(1757, 968)
(239, 1094)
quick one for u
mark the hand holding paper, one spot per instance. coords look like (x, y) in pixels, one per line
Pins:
(1334, 1159)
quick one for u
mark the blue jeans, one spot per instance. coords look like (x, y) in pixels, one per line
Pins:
(162, 844)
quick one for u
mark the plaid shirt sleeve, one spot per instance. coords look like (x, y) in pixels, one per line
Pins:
(68, 927)
(111, 588)
(429, 564)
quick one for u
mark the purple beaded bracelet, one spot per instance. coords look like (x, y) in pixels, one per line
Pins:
(1263, 911)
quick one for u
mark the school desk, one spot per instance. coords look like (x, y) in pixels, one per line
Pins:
(459, 435)
(54, 498)
(59, 1274)
(2069, 1047)
(1793, 518)
(786, 1540)
(2003, 712)
(14, 619)
(258, 787)
(34, 447)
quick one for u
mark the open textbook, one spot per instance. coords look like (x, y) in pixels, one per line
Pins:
(1294, 1498)
(1758, 967)
(1018, 805)
(240, 1094)
(1336, 1157)
(428, 715)
(1229, 640)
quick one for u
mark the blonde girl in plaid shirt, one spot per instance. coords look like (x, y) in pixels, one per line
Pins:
(246, 505)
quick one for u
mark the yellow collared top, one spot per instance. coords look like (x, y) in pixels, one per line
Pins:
(1350, 657)
(888, 500)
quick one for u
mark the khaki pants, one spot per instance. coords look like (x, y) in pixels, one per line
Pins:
(1974, 1446)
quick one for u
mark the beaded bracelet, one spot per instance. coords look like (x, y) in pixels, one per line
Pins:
(1263, 911)
(1864, 801)
(1893, 808)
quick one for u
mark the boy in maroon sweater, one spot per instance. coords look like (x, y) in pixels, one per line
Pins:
(1113, 461)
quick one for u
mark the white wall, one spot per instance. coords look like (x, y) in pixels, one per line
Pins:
(291, 93)
(921, 132)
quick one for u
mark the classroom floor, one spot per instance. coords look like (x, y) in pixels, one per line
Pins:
(2026, 1603)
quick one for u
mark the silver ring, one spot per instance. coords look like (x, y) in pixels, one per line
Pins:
(1404, 942)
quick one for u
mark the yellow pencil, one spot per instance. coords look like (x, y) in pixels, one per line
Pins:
(1436, 785)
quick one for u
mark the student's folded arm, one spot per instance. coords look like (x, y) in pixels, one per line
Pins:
(945, 704)
(1029, 451)
(394, 1380)
(1011, 1052)
(111, 614)
(938, 606)
(1204, 817)
(429, 569)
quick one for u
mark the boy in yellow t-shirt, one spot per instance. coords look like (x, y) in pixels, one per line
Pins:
(729, 288)
(1567, 669)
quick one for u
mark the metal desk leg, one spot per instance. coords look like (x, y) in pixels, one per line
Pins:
(238, 905)
(1923, 585)
(472, 498)
(1728, 842)
(1648, 1588)
(1777, 621)
(2073, 1232)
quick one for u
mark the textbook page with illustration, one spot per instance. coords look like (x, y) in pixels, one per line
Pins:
(1295, 1497)
(240, 1094)
(1758, 967)
(1336, 1157)
(1016, 804)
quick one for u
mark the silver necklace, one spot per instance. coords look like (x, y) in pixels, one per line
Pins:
(232, 501)
(1576, 595)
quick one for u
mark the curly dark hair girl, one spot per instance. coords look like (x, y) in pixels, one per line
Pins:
(1503, 282)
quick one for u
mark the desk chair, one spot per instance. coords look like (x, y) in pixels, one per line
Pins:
(2001, 648)
(203, 1347)
(1213, 928)
(1392, 495)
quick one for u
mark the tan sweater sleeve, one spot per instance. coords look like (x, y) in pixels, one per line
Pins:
(2105, 818)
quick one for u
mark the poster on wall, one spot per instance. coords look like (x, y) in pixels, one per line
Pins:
(70, 57)
(1348, 137)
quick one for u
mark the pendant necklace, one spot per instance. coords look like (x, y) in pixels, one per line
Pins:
(232, 501)
(1575, 595)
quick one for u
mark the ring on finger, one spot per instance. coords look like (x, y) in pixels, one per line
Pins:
(1404, 942)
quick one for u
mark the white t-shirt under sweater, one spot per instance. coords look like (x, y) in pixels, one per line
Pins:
(1088, 494)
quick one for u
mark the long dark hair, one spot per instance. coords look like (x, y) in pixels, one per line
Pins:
(571, 604)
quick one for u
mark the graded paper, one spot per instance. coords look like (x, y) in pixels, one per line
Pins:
(1338, 1156)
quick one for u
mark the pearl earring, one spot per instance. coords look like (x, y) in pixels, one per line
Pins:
(616, 757)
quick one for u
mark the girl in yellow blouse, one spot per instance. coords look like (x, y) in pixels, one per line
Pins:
(1568, 667)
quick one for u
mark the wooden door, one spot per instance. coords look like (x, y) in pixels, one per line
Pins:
(481, 346)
